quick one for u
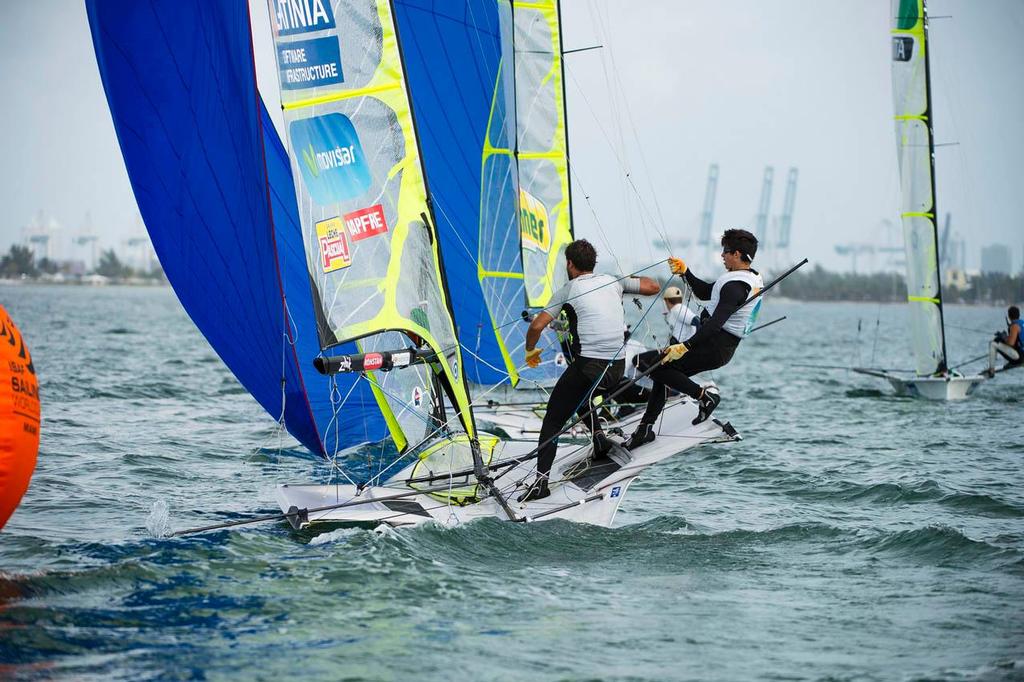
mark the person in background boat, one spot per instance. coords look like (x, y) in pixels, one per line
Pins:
(593, 305)
(1009, 344)
(682, 322)
(726, 320)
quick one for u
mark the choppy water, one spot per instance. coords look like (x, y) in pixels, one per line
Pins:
(851, 535)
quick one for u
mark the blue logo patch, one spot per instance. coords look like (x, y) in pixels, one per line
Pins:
(301, 16)
(310, 63)
(616, 491)
(330, 157)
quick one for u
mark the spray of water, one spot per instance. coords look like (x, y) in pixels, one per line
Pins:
(159, 521)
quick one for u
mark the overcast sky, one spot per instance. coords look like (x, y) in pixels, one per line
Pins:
(678, 85)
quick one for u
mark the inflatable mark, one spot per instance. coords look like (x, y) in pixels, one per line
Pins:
(19, 416)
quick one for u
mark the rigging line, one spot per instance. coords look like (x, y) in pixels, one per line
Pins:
(597, 220)
(632, 126)
(622, 166)
(967, 362)
(439, 207)
(571, 298)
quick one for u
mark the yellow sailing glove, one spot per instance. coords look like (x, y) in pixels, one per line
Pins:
(674, 352)
(677, 265)
(533, 358)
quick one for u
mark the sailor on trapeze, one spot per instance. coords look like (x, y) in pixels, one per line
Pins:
(1009, 344)
(593, 305)
(726, 320)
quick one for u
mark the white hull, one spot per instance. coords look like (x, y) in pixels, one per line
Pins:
(931, 388)
(579, 491)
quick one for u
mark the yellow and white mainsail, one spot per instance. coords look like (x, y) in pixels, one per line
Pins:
(915, 145)
(542, 147)
(371, 249)
(525, 203)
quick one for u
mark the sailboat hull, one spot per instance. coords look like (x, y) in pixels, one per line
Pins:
(936, 388)
(581, 491)
(929, 388)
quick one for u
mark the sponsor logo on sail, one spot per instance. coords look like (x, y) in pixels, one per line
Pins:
(417, 397)
(331, 158)
(372, 361)
(310, 63)
(366, 222)
(533, 223)
(902, 48)
(335, 253)
(560, 360)
(301, 16)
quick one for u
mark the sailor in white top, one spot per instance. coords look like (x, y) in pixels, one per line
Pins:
(729, 316)
(593, 306)
(682, 322)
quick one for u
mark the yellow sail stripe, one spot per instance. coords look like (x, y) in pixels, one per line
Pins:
(497, 274)
(913, 214)
(540, 155)
(341, 96)
(923, 299)
(525, 4)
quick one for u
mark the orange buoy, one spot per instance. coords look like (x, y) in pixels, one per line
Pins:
(19, 416)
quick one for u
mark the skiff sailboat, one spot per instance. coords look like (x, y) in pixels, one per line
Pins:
(915, 143)
(317, 269)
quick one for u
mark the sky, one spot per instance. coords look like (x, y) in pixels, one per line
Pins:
(676, 86)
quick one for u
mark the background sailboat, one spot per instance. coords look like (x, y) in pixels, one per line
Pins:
(916, 148)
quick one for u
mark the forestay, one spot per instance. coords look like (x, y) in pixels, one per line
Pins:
(915, 145)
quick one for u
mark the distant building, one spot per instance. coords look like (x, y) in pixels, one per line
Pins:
(996, 258)
(956, 278)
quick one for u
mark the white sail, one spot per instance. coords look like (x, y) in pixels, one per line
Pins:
(914, 143)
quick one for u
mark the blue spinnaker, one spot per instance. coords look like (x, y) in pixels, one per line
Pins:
(214, 187)
(452, 53)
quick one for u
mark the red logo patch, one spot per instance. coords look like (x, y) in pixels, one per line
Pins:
(373, 361)
(366, 222)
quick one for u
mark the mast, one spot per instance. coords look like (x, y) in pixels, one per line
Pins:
(942, 368)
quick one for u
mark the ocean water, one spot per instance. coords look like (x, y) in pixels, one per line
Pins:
(851, 535)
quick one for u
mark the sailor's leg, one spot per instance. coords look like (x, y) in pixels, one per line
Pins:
(570, 388)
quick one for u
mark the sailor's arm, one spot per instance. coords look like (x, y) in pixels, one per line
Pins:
(540, 320)
(733, 296)
(1011, 338)
(700, 288)
(645, 286)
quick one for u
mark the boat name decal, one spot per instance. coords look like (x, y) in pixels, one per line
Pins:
(616, 491)
(301, 16)
(310, 63)
(332, 161)
(335, 253)
(366, 222)
(902, 48)
(533, 223)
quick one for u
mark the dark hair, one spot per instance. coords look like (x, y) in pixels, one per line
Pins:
(742, 241)
(582, 254)
(1013, 313)
(674, 300)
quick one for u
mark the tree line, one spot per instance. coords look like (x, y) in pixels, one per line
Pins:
(890, 287)
(20, 261)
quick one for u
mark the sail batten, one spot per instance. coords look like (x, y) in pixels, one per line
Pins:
(915, 147)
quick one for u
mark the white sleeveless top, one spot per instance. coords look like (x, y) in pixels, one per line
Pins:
(742, 321)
